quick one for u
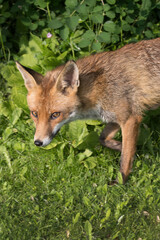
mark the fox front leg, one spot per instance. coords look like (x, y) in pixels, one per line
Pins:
(129, 138)
(107, 135)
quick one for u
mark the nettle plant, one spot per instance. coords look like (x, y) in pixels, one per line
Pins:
(102, 23)
(106, 23)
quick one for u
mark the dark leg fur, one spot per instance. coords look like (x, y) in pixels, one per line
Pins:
(127, 147)
(106, 138)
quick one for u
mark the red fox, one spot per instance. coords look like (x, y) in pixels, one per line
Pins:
(115, 87)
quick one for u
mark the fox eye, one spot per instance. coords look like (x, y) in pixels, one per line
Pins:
(55, 115)
(35, 114)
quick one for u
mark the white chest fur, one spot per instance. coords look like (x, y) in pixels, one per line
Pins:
(96, 113)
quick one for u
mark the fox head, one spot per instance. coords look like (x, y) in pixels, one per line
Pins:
(52, 99)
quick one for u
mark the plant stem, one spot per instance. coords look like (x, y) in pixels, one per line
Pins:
(121, 28)
(49, 13)
(73, 54)
(3, 48)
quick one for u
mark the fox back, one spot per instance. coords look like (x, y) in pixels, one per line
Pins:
(115, 87)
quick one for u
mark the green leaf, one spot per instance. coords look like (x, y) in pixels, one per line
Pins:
(16, 115)
(26, 21)
(28, 59)
(86, 201)
(35, 51)
(81, 156)
(41, 23)
(97, 18)
(90, 162)
(4, 151)
(18, 96)
(53, 144)
(71, 3)
(125, 26)
(88, 229)
(130, 19)
(71, 156)
(35, 16)
(12, 75)
(145, 8)
(7, 132)
(83, 10)
(77, 34)
(87, 38)
(76, 37)
(64, 33)
(90, 141)
(33, 26)
(97, 9)
(53, 44)
(84, 43)
(120, 178)
(75, 220)
(115, 235)
(72, 22)
(110, 171)
(62, 56)
(148, 34)
(158, 5)
(109, 26)
(106, 7)
(36, 44)
(111, 1)
(41, 3)
(89, 34)
(6, 108)
(19, 146)
(96, 46)
(6, 14)
(104, 188)
(91, 3)
(104, 37)
(115, 38)
(77, 130)
(108, 213)
(55, 24)
(110, 14)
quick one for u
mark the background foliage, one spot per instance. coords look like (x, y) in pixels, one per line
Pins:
(61, 192)
(100, 24)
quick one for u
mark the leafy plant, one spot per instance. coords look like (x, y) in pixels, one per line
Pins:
(100, 23)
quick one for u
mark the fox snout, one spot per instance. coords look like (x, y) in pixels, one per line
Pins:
(40, 141)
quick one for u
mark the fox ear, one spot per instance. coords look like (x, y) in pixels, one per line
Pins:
(69, 77)
(31, 78)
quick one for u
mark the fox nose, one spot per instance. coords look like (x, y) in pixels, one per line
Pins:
(38, 143)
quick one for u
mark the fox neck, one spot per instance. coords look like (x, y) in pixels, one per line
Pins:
(95, 111)
(80, 113)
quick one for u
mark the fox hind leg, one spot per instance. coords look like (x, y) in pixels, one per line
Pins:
(107, 135)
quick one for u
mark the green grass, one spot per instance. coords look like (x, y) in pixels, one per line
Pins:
(60, 193)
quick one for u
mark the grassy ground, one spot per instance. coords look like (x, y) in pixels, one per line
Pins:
(63, 192)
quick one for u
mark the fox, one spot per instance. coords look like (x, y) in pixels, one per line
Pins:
(116, 87)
